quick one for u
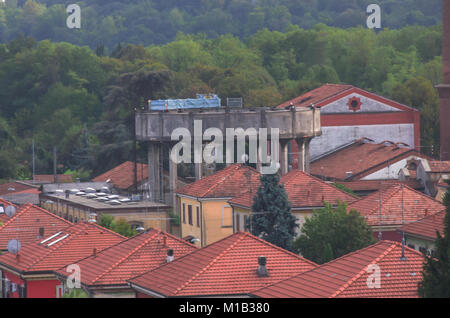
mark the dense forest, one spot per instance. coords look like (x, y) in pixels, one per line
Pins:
(82, 101)
(76, 89)
(104, 23)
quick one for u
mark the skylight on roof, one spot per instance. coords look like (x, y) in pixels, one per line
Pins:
(49, 238)
(58, 240)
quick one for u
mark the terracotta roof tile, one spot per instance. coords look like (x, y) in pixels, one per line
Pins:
(129, 258)
(72, 244)
(14, 187)
(317, 95)
(439, 166)
(25, 225)
(347, 276)
(361, 158)
(415, 205)
(226, 267)
(303, 190)
(226, 183)
(374, 185)
(427, 226)
(123, 175)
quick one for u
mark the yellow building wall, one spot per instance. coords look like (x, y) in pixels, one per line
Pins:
(216, 220)
(186, 228)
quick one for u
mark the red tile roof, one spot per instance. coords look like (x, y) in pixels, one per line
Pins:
(374, 185)
(361, 158)
(72, 244)
(317, 95)
(25, 225)
(14, 187)
(123, 175)
(226, 267)
(226, 183)
(416, 205)
(303, 190)
(348, 275)
(129, 258)
(439, 166)
(427, 226)
(49, 178)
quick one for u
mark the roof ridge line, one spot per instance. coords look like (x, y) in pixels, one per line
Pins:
(109, 269)
(279, 248)
(213, 261)
(237, 166)
(364, 270)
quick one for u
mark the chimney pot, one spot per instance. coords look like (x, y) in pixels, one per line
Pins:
(41, 232)
(262, 269)
(169, 256)
(94, 252)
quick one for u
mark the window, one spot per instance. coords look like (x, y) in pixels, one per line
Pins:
(238, 225)
(245, 223)
(190, 214)
(59, 291)
(198, 216)
(184, 213)
(423, 250)
(412, 246)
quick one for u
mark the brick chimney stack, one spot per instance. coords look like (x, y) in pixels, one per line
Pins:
(444, 89)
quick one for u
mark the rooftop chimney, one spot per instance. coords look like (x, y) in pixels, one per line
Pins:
(94, 252)
(444, 89)
(169, 255)
(92, 218)
(41, 233)
(262, 270)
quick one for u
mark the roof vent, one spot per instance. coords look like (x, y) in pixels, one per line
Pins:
(262, 269)
(92, 218)
(348, 174)
(169, 256)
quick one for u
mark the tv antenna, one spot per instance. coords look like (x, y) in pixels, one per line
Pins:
(14, 246)
(10, 211)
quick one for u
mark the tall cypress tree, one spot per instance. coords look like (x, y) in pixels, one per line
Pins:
(436, 270)
(272, 219)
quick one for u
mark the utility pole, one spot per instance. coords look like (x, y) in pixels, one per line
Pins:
(55, 176)
(33, 160)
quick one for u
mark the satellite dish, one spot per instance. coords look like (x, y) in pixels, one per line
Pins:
(14, 246)
(10, 211)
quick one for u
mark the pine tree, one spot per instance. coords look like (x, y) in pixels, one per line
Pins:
(436, 270)
(271, 218)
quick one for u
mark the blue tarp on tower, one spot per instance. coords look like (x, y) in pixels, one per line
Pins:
(202, 101)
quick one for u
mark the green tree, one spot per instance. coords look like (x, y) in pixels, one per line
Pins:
(122, 227)
(331, 233)
(76, 293)
(271, 218)
(436, 270)
(107, 221)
